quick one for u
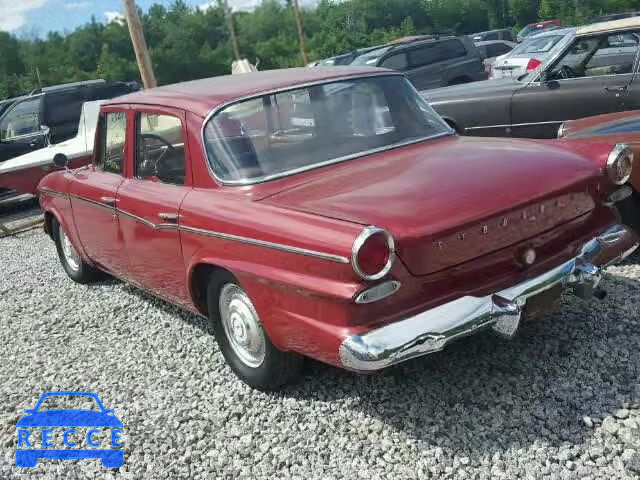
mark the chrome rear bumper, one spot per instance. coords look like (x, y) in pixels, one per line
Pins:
(432, 330)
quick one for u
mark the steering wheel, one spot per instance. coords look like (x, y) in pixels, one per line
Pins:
(567, 72)
(146, 162)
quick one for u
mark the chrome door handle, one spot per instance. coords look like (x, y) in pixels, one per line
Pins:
(109, 201)
(169, 217)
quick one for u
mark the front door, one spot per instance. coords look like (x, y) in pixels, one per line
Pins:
(591, 77)
(149, 202)
(94, 196)
(21, 129)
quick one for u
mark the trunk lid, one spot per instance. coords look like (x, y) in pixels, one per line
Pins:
(451, 200)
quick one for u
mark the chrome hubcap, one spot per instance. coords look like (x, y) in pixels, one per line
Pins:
(71, 256)
(242, 325)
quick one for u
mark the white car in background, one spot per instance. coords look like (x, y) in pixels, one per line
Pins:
(530, 54)
(490, 50)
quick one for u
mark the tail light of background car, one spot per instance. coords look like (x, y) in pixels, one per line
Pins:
(373, 253)
(533, 64)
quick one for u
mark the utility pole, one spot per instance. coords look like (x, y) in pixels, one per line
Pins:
(232, 29)
(303, 47)
(139, 44)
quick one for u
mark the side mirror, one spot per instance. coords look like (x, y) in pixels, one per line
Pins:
(46, 133)
(60, 160)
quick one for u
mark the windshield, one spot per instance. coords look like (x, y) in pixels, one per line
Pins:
(370, 58)
(536, 45)
(287, 132)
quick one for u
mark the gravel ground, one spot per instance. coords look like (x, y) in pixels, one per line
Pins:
(561, 401)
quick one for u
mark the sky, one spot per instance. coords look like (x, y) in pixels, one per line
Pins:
(28, 17)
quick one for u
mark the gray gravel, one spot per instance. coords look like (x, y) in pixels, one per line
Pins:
(562, 401)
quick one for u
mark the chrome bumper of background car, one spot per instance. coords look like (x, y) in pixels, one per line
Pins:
(432, 330)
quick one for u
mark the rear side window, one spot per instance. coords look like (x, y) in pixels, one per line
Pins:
(62, 114)
(497, 50)
(159, 149)
(453, 49)
(426, 55)
(397, 62)
(113, 131)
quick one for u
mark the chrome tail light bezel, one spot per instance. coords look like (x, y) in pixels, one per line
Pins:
(619, 152)
(360, 240)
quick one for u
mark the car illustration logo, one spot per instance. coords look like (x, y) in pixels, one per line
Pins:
(69, 433)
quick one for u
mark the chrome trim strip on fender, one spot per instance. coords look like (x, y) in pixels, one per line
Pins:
(144, 221)
(93, 202)
(515, 125)
(211, 233)
(262, 243)
(432, 330)
(53, 193)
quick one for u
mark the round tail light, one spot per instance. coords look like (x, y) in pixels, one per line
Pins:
(373, 253)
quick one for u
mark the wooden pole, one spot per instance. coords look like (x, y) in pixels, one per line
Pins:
(139, 44)
(303, 46)
(232, 30)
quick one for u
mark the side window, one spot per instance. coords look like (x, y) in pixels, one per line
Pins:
(62, 114)
(453, 49)
(160, 149)
(396, 62)
(113, 133)
(597, 56)
(23, 119)
(493, 36)
(426, 55)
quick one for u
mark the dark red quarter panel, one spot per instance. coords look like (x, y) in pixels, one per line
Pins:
(296, 295)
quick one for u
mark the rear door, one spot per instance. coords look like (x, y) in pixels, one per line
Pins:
(93, 194)
(586, 80)
(149, 201)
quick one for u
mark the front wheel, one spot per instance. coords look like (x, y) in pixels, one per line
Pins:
(78, 270)
(242, 339)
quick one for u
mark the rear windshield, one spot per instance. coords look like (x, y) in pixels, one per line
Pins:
(291, 131)
(536, 45)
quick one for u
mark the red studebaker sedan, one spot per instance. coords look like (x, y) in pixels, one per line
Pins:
(331, 214)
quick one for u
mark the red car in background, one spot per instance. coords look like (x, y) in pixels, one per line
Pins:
(538, 27)
(621, 127)
(331, 213)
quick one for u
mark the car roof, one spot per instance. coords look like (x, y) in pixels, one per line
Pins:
(201, 96)
(611, 26)
(557, 31)
(491, 42)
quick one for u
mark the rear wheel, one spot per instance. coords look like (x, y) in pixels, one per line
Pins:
(77, 269)
(242, 339)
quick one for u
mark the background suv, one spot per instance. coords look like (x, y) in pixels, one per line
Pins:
(431, 63)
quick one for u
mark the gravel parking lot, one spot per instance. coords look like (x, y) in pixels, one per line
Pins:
(561, 401)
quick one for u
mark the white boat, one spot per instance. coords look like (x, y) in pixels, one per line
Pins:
(23, 173)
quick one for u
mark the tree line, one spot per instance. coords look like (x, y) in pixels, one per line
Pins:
(188, 43)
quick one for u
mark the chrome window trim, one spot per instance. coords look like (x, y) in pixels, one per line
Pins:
(263, 243)
(296, 171)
